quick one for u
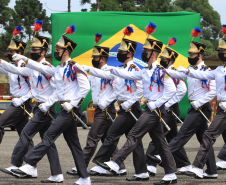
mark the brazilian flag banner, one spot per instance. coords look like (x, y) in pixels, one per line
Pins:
(111, 26)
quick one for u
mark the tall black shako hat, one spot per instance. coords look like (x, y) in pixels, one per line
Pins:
(39, 42)
(152, 44)
(126, 44)
(16, 44)
(222, 41)
(99, 51)
(65, 42)
(168, 53)
(196, 47)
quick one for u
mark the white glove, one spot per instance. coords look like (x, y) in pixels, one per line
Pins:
(152, 106)
(167, 106)
(195, 105)
(102, 105)
(17, 102)
(19, 57)
(125, 106)
(43, 107)
(67, 106)
(109, 68)
(223, 105)
(182, 69)
(85, 68)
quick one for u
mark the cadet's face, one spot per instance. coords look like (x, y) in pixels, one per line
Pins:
(96, 58)
(60, 50)
(165, 60)
(193, 55)
(12, 52)
(223, 51)
(35, 51)
(124, 52)
(148, 53)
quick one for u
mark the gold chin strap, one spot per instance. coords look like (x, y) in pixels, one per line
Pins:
(68, 44)
(172, 54)
(20, 45)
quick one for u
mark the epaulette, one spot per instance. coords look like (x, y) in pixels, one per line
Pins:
(160, 67)
(23, 64)
(173, 68)
(71, 62)
(44, 63)
(133, 66)
(204, 66)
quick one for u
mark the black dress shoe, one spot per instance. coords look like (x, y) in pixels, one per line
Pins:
(49, 181)
(180, 173)
(206, 177)
(106, 167)
(25, 177)
(154, 159)
(134, 178)
(151, 174)
(192, 174)
(6, 171)
(18, 171)
(166, 182)
(94, 173)
(120, 174)
(219, 168)
(72, 172)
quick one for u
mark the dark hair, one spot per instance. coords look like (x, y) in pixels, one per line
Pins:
(22, 52)
(106, 58)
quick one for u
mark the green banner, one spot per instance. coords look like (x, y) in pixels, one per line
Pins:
(111, 26)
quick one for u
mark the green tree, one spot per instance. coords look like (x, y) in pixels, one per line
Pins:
(208, 14)
(158, 6)
(25, 13)
(5, 12)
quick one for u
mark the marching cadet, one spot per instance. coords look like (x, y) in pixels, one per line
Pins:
(103, 102)
(200, 93)
(43, 90)
(20, 90)
(72, 86)
(158, 89)
(218, 125)
(168, 57)
(128, 93)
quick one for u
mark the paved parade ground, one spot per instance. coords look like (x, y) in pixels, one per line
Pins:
(67, 163)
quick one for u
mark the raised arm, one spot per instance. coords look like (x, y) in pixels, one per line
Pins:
(132, 75)
(202, 75)
(180, 93)
(23, 71)
(98, 73)
(176, 74)
(40, 67)
(84, 88)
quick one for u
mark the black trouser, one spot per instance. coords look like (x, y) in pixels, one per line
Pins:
(180, 156)
(216, 128)
(122, 125)
(148, 122)
(14, 116)
(195, 123)
(98, 132)
(64, 123)
(40, 122)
